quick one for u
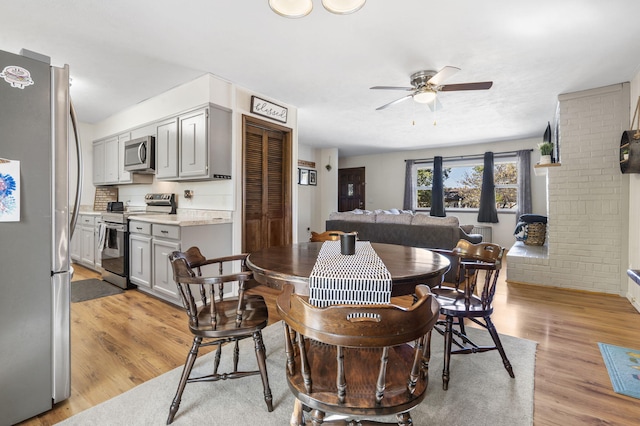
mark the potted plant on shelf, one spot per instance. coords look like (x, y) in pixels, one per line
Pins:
(546, 148)
(625, 154)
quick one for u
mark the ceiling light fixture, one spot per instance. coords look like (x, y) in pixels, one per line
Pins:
(424, 97)
(301, 8)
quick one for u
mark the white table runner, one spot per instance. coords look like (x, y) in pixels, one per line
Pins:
(360, 278)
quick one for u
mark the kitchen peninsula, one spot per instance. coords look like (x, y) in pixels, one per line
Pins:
(153, 237)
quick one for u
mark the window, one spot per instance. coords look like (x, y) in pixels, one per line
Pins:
(463, 184)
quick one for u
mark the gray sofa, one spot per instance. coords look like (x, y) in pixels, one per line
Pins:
(419, 230)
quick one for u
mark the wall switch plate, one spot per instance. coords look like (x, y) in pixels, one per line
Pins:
(188, 193)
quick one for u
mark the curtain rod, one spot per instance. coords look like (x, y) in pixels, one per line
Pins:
(468, 157)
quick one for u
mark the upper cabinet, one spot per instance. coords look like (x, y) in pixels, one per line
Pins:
(195, 145)
(111, 160)
(98, 163)
(167, 149)
(108, 162)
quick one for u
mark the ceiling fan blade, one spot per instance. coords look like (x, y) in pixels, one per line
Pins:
(391, 88)
(435, 105)
(484, 85)
(442, 75)
(394, 102)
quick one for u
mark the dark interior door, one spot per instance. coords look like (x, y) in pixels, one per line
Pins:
(266, 185)
(351, 189)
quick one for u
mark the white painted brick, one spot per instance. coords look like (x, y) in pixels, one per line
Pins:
(586, 213)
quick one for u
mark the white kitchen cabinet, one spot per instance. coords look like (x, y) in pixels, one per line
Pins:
(88, 253)
(98, 163)
(108, 162)
(167, 149)
(123, 175)
(111, 162)
(163, 283)
(192, 138)
(195, 145)
(152, 243)
(105, 161)
(84, 244)
(140, 261)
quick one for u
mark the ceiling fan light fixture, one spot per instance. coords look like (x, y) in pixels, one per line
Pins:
(424, 97)
(343, 7)
(291, 8)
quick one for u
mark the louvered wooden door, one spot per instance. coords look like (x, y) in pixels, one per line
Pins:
(266, 185)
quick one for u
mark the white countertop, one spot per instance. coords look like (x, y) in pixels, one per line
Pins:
(180, 219)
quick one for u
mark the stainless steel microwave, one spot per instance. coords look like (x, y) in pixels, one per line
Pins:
(140, 155)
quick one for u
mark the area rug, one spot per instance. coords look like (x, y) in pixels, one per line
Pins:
(623, 365)
(92, 289)
(480, 391)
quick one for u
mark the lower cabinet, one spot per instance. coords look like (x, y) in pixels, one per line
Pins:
(140, 260)
(150, 245)
(84, 244)
(163, 283)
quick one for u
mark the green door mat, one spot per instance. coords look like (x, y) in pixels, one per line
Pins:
(623, 365)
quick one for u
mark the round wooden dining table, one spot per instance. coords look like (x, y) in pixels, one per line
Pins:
(408, 266)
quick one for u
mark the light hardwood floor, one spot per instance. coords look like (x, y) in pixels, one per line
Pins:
(121, 341)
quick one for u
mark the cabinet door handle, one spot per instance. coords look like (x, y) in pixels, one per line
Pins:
(138, 228)
(164, 232)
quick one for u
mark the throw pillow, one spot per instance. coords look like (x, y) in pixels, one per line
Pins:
(467, 228)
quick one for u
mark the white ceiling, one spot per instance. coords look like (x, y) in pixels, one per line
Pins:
(122, 52)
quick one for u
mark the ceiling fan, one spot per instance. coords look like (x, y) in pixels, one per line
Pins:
(425, 86)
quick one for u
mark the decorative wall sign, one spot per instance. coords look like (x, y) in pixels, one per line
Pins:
(313, 177)
(307, 164)
(268, 109)
(9, 191)
(303, 176)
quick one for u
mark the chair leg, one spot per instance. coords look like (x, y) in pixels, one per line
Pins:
(186, 372)
(448, 338)
(426, 354)
(404, 419)
(262, 366)
(496, 340)
(317, 417)
(461, 325)
(297, 417)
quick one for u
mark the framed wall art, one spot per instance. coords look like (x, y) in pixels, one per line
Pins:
(303, 176)
(313, 177)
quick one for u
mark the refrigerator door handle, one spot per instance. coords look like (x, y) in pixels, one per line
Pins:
(76, 204)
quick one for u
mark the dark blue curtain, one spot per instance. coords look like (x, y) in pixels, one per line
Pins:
(409, 186)
(524, 183)
(437, 189)
(488, 212)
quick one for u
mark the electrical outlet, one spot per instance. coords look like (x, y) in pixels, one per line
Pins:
(188, 193)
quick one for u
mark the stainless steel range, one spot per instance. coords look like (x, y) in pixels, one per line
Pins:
(114, 236)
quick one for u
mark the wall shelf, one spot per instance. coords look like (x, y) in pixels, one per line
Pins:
(631, 146)
(541, 169)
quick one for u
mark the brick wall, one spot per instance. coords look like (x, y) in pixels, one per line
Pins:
(587, 198)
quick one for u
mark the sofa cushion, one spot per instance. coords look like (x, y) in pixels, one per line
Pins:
(402, 218)
(425, 219)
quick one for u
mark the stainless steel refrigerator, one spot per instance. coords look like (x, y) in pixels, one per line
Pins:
(35, 271)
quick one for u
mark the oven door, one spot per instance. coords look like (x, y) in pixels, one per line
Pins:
(115, 254)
